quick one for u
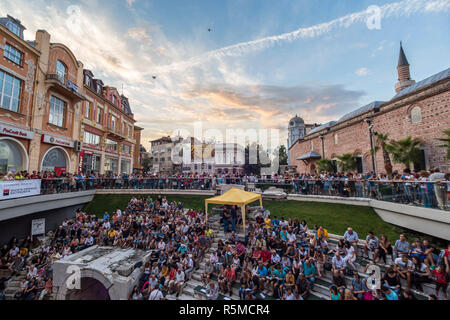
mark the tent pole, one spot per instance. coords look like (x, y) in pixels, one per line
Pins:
(206, 210)
(243, 217)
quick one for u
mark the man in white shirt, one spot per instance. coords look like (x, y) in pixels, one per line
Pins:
(212, 293)
(403, 266)
(178, 283)
(338, 263)
(156, 294)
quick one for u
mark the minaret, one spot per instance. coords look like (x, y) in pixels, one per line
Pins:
(404, 77)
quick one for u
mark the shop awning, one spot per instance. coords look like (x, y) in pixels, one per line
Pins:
(310, 155)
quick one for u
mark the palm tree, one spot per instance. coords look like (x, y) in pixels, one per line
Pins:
(405, 151)
(325, 165)
(446, 142)
(347, 162)
(382, 140)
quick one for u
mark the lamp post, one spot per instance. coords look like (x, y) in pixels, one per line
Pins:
(372, 144)
(322, 137)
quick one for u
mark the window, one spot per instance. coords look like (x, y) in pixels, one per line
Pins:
(335, 138)
(99, 115)
(87, 80)
(416, 115)
(114, 99)
(111, 145)
(130, 131)
(14, 28)
(99, 88)
(13, 54)
(113, 123)
(57, 108)
(91, 138)
(312, 145)
(87, 109)
(9, 92)
(126, 149)
(61, 70)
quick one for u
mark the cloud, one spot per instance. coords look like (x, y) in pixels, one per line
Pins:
(271, 105)
(139, 34)
(363, 72)
(396, 9)
(130, 2)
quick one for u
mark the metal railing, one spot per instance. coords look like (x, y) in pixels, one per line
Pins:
(417, 193)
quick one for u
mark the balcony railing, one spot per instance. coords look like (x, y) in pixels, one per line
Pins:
(423, 194)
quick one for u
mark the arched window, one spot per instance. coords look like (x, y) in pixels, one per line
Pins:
(11, 158)
(416, 115)
(55, 160)
(61, 70)
(335, 138)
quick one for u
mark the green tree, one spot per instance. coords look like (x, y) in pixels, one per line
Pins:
(325, 165)
(347, 162)
(405, 151)
(282, 154)
(146, 163)
(382, 141)
(446, 142)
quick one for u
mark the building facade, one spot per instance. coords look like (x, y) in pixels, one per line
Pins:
(18, 65)
(160, 155)
(297, 130)
(107, 130)
(420, 110)
(52, 118)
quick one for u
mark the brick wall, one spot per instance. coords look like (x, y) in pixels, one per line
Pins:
(354, 138)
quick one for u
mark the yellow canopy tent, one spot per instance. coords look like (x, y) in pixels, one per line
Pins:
(236, 197)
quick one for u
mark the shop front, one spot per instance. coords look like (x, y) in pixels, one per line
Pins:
(89, 162)
(125, 166)
(13, 153)
(111, 165)
(56, 158)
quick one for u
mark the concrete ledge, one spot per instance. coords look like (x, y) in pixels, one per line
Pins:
(157, 191)
(330, 199)
(429, 221)
(14, 208)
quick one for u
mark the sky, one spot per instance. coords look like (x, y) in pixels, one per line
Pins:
(261, 63)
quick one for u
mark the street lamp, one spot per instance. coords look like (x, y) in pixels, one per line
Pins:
(372, 144)
(323, 146)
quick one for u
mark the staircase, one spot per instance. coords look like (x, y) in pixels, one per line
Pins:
(320, 290)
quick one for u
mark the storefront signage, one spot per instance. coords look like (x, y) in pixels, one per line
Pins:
(57, 141)
(19, 188)
(16, 132)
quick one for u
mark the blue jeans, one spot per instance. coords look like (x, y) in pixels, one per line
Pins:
(226, 225)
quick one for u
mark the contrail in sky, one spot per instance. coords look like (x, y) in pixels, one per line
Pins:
(396, 9)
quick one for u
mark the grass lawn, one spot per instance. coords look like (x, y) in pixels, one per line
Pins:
(334, 217)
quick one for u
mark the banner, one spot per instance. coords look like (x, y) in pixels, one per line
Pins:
(19, 188)
(37, 226)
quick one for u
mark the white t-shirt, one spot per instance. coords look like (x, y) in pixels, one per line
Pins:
(155, 295)
(179, 277)
(402, 265)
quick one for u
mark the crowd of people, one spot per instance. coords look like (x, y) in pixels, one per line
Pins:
(283, 259)
(178, 239)
(278, 258)
(430, 189)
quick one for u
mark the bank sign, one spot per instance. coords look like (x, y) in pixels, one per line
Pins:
(19, 188)
(57, 141)
(16, 132)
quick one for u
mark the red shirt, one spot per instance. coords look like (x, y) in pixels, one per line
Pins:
(439, 276)
(265, 255)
